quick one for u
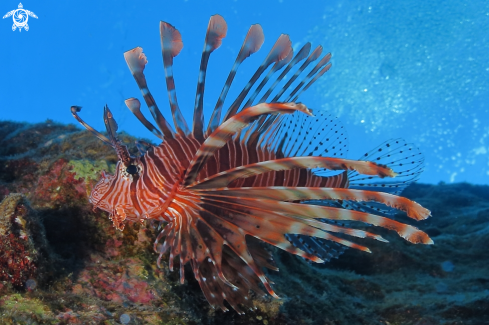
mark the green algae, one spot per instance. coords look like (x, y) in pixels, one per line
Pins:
(19, 303)
(87, 169)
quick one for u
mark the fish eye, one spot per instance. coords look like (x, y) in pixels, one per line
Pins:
(131, 170)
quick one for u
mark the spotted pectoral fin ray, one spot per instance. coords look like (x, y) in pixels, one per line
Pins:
(199, 236)
(413, 209)
(301, 135)
(402, 157)
(308, 211)
(322, 248)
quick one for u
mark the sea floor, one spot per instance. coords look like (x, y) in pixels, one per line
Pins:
(62, 263)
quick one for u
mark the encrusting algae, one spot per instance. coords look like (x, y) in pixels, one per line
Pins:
(90, 171)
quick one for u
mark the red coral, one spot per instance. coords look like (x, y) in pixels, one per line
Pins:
(16, 262)
(117, 283)
(59, 186)
(112, 246)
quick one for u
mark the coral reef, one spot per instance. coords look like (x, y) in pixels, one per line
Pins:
(68, 265)
(23, 247)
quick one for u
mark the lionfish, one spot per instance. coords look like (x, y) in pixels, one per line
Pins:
(267, 171)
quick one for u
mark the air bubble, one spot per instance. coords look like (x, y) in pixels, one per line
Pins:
(31, 284)
(125, 319)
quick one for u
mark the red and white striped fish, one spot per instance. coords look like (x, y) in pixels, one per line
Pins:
(267, 171)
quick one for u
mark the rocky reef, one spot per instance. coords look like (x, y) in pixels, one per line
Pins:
(62, 263)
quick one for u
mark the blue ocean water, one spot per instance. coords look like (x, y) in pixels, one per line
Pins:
(412, 69)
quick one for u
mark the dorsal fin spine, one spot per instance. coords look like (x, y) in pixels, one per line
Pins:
(279, 51)
(276, 67)
(171, 45)
(252, 43)
(318, 75)
(301, 55)
(216, 31)
(265, 122)
(314, 55)
(318, 66)
(134, 106)
(136, 61)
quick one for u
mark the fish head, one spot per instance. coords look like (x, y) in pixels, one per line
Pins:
(113, 193)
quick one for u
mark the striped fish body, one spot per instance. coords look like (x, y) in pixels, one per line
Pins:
(160, 174)
(262, 172)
